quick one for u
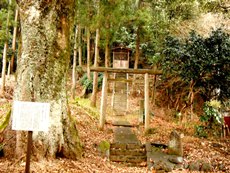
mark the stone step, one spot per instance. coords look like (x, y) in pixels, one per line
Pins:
(126, 146)
(131, 154)
(134, 152)
(128, 159)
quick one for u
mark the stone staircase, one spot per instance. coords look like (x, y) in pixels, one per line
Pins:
(126, 148)
(130, 154)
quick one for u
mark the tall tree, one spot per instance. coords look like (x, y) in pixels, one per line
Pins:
(74, 64)
(88, 36)
(95, 74)
(42, 73)
(113, 16)
(4, 57)
(96, 57)
(79, 46)
(14, 40)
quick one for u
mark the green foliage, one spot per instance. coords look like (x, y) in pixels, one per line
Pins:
(84, 104)
(211, 119)
(206, 61)
(215, 6)
(200, 131)
(103, 146)
(211, 115)
(88, 83)
(5, 122)
(181, 9)
(6, 26)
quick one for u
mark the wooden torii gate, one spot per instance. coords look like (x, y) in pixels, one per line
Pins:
(105, 70)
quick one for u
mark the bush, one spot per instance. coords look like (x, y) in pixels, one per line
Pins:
(88, 83)
(200, 131)
(205, 61)
(211, 119)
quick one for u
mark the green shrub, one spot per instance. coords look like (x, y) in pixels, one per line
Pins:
(203, 60)
(200, 131)
(88, 83)
(211, 120)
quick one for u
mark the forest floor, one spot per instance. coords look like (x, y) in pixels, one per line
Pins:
(215, 151)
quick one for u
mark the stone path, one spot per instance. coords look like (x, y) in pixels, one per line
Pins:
(126, 148)
(125, 135)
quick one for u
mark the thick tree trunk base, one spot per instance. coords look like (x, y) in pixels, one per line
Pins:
(42, 73)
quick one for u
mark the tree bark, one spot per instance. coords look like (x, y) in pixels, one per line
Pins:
(137, 55)
(107, 57)
(103, 101)
(4, 67)
(88, 53)
(79, 47)
(14, 41)
(137, 49)
(147, 117)
(74, 65)
(95, 74)
(42, 74)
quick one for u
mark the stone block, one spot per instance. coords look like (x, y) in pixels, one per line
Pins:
(136, 159)
(115, 158)
(175, 144)
(137, 152)
(118, 145)
(134, 146)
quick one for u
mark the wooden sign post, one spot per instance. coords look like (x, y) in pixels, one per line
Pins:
(30, 116)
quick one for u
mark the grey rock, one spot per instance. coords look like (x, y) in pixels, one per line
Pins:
(176, 159)
(161, 165)
(195, 166)
(206, 167)
(175, 144)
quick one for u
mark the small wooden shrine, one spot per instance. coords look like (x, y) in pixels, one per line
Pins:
(121, 57)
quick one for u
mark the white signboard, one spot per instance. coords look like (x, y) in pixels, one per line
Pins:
(30, 116)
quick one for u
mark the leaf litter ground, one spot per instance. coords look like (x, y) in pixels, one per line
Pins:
(214, 151)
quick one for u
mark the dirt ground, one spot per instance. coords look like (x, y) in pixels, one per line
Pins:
(214, 151)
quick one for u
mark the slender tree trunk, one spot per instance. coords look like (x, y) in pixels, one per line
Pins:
(154, 90)
(137, 55)
(4, 67)
(103, 101)
(8, 70)
(74, 65)
(107, 57)
(4, 57)
(88, 53)
(14, 41)
(137, 49)
(95, 74)
(42, 74)
(79, 46)
(147, 116)
(191, 96)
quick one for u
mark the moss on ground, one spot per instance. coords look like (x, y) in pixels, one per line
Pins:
(85, 104)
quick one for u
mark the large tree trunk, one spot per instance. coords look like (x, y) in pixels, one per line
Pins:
(42, 73)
